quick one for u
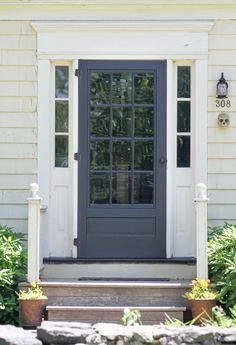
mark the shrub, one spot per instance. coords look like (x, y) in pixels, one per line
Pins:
(222, 263)
(13, 264)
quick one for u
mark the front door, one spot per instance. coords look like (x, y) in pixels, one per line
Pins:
(122, 165)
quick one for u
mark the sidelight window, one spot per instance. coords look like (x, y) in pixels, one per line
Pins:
(61, 116)
(183, 116)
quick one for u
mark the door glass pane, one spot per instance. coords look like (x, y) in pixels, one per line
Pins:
(144, 122)
(143, 88)
(99, 121)
(121, 188)
(121, 122)
(62, 81)
(99, 188)
(184, 82)
(183, 116)
(121, 155)
(121, 88)
(99, 155)
(61, 151)
(62, 108)
(143, 188)
(143, 158)
(100, 88)
(183, 151)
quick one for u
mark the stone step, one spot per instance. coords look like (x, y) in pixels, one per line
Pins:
(112, 314)
(115, 293)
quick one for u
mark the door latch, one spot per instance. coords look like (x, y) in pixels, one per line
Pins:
(76, 156)
(162, 160)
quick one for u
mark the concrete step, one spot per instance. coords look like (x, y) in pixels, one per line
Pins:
(113, 314)
(72, 293)
(169, 269)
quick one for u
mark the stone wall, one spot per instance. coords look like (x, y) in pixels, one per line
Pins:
(111, 334)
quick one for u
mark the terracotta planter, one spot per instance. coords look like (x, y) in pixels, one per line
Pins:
(31, 311)
(202, 306)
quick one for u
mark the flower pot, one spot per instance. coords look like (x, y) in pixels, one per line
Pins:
(31, 311)
(202, 307)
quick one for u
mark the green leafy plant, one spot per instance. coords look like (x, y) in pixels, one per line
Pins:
(200, 289)
(131, 317)
(13, 264)
(220, 319)
(33, 292)
(222, 263)
(171, 321)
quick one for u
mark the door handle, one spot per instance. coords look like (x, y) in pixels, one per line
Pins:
(162, 160)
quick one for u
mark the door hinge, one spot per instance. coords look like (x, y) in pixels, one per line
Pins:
(76, 156)
(76, 242)
(77, 72)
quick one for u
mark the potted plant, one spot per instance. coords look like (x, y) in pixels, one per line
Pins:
(32, 303)
(202, 299)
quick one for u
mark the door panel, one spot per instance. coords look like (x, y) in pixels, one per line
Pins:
(122, 142)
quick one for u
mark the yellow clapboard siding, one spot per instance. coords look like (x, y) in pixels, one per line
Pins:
(221, 150)
(222, 58)
(18, 166)
(18, 120)
(226, 27)
(18, 73)
(18, 135)
(17, 88)
(212, 104)
(214, 72)
(212, 118)
(17, 42)
(222, 135)
(18, 104)
(11, 197)
(221, 181)
(222, 166)
(19, 225)
(16, 28)
(222, 196)
(16, 181)
(212, 88)
(18, 58)
(226, 212)
(13, 211)
(18, 151)
(222, 42)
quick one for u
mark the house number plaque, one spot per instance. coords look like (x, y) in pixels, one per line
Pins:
(223, 103)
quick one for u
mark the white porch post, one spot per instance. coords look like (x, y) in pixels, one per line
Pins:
(34, 202)
(201, 201)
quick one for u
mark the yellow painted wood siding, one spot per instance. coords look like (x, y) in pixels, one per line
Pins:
(18, 120)
(222, 141)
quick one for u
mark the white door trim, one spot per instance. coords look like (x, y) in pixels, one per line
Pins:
(58, 41)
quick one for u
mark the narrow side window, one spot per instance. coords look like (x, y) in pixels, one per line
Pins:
(61, 116)
(183, 117)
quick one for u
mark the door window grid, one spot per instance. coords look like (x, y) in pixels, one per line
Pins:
(122, 177)
(183, 116)
(61, 116)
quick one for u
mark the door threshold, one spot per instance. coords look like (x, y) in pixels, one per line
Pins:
(70, 260)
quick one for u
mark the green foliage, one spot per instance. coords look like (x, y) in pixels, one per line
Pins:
(171, 321)
(131, 317)
(13, 263)
(222, 263)
(220, 319)
(33, 292)
(200, 289)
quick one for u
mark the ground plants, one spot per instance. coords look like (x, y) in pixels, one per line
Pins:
(13, 263)
(222, 263)
(131, 317)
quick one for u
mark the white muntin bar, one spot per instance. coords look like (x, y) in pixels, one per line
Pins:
(201, 201)
(34, 202)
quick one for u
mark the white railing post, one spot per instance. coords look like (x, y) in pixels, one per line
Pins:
(201, 201)
(34, 202)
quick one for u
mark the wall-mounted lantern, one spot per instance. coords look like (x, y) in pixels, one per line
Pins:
(222, 87)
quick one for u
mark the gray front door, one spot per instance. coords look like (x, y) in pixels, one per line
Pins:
(122, 166)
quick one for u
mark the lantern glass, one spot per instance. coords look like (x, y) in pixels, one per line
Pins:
(222, 87)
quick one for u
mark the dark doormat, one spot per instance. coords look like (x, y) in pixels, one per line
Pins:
(124, 279)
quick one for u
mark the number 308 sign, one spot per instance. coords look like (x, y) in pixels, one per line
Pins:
(223, 103)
